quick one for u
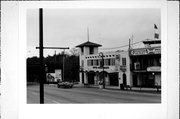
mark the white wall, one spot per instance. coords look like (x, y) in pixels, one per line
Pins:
(86, 50)
(127, 72)
(96, 50)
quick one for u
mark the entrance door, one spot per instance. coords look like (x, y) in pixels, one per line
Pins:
(124, 79)
(134, 80)
(91, 78)
(113, 79)
(150, 82)
(82, 77)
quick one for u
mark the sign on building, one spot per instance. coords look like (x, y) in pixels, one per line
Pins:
(154, 69)
(145, 51)
(58, 74)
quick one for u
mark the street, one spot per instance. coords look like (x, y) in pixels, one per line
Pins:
(52, 94)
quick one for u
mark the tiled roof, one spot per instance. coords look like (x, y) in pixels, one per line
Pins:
(89, 44)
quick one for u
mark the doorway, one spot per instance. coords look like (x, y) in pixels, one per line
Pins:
(124, 79)
(82, 77)
(91, 77)
(135, 80)
(113, 79)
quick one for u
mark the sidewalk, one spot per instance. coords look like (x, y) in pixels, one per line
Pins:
(117, 88)
(133, 89)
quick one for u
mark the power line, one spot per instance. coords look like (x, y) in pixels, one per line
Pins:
(120, 46)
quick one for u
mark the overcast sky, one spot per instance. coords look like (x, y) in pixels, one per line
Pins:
(108, 27)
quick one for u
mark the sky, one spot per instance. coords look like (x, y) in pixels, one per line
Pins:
(108, 27)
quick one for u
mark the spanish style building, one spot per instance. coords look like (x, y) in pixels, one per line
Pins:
(134, 67)
(116, 68)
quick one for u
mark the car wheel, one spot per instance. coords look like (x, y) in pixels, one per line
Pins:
(58, 86)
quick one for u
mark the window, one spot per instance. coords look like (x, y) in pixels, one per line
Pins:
(90, 62)
(123, 61)
(105, 61)
(82, 51)
(112, 62)
(95, 62)
(91, 50)
(109, 61)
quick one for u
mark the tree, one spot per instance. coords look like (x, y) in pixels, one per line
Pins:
(71, 66)
(74, 51)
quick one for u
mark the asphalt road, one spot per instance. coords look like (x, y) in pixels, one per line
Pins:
(52, 94)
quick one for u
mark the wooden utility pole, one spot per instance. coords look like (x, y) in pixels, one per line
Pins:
(41, 48)
(42, 70)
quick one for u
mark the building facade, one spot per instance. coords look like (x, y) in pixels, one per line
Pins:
(146, 66)
(140, 67)
(116, 68)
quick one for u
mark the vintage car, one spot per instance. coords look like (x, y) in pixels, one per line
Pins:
(65, 84)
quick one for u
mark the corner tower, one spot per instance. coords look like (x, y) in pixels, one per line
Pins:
(87, 48)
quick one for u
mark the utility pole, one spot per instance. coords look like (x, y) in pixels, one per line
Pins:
(42, 72)
(88, 34)
(63, 65)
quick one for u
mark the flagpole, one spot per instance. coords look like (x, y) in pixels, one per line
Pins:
(156, 32)
(88, 34)
(132, 42)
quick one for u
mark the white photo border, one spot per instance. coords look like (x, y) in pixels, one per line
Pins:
(98, 111)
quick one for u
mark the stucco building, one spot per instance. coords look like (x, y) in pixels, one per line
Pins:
(139, 67)
(116, 66)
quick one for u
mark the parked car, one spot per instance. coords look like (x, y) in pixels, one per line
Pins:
(65, 84)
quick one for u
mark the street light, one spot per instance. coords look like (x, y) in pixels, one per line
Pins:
(102, 65)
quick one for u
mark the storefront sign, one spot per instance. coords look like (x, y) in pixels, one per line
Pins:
(146, 51)
(154, 69)
(123, 68)
(100, 67)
